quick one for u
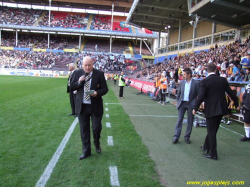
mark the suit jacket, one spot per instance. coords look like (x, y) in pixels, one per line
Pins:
(212, 91)
(98, 83)
(192, 94)
(71, 78)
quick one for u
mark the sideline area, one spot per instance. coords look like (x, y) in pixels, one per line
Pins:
(180, 163)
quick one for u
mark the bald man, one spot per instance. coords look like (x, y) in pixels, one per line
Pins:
(91, 86)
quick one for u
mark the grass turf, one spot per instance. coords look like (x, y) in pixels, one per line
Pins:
(33, 122)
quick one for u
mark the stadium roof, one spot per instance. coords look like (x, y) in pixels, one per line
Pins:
(233, 13)
(106, 5)
(158, 14)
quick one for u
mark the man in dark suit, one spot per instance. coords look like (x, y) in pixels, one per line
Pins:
(187, 93)
(91, 86)
(212, 91)
(72, 96)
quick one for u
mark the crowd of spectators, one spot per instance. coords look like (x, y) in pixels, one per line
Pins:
(39, 60)
(233, 62)
(105, 62)
(9, 59)
(36, 41)
(69, 21)
(17, 16)
(101, 23)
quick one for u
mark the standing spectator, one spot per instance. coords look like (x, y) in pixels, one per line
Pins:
(121, 85)
(115, 79)
(162, 88)
(246, 113)
(71, 92)
(96, 47)
(187, 93)
(212, 91)
(91, 86)
(245, 62)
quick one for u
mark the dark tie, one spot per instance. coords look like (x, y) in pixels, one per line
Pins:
(87, 86)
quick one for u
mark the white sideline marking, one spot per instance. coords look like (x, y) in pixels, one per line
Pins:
(114, 176)
(106, 109)
(107, 115)
(221, 126)
(231, 130)
(49, 169)
(110, 140)
(157, 116)
(108, 125)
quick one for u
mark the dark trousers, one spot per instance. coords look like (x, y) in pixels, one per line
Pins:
(121, 91)
(72, 98)
(114, 82)
(210, 143)
(84, 120)
(163, 95)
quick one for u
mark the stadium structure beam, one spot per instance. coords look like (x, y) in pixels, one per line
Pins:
(163, 17)
(161, 7)
(231, 5)
(98, 2)
(220, 22)
(152, 23)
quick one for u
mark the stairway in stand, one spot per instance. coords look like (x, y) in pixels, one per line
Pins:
(62, 63)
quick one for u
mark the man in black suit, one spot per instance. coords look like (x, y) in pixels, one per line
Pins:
(187, 93)
(91, 86)
(72, 96)
(212, 91)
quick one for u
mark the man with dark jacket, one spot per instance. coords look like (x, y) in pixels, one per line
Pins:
(72, 96)
(212, 91)
(91, 86)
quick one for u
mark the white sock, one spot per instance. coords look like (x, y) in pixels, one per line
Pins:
(247, 130)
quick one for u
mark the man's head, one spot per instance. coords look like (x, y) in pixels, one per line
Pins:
(248, 70)
(211, 67)
(71, 66)
(187, 73)
(87, 64)
(122, 73)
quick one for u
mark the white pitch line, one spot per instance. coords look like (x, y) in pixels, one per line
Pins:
(231, 130)
(107, 115)
(114, 176)
(106, 109)
(110, 140)
(157, 116)
(49, 169)
(221, 126)
(108, 125)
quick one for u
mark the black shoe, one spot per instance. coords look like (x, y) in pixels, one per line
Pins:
(72, 114)
(187, 140)
(244, 139)
(98, 150)
(85, 155)
(75, 115)
(205, 151)
(175, 140)
(210, 157)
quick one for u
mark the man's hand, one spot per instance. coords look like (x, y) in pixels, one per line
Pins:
(194, 112)
(82, 78)
(94, 94)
